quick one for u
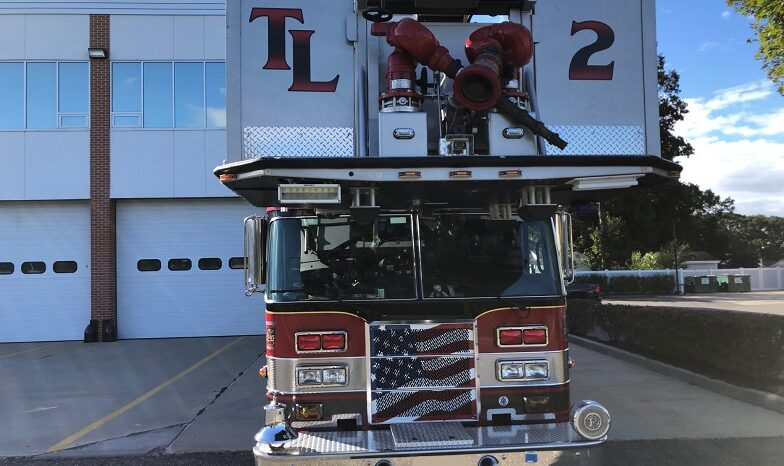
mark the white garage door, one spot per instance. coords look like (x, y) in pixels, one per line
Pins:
(179, 270)
(44, 270)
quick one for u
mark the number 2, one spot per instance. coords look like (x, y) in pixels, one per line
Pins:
(579, 69)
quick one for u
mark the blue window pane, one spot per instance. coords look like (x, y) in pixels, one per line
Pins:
(41, 95)
(126, 87)
(11, 95)
(189, 95)
(73, 121)
(157, 95)
(128, 121)
(216, 95)
(74, 79)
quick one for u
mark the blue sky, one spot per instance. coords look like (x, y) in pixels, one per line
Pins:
(736, 119)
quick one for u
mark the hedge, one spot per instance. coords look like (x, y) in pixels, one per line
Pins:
(631, 284)
(742, 348)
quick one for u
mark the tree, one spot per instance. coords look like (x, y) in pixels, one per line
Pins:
(769, 27)
(671, 110)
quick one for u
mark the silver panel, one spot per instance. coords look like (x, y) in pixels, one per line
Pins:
(330, 445)
(392, 146)
(297, 141)
(501, 145)
(600, 140)
(557, 360)
(283, 374)
(443, 434)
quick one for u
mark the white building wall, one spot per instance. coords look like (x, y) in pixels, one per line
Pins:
(44, 164)
(178, 163)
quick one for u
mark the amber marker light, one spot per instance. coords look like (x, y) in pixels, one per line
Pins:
(460, 174)
(409, 174)
(227, 177)
(510, 173)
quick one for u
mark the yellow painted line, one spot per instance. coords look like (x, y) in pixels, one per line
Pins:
(68, 441)
(27, 351)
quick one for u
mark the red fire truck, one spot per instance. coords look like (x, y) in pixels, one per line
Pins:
(416, 158)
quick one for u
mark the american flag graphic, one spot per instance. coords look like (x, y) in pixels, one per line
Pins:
(422, 372)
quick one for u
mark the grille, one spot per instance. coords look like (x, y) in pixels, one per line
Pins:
(422, 372)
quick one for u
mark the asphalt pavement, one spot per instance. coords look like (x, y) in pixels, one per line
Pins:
(765, 302)
(199, 401)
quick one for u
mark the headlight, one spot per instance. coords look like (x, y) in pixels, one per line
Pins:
(512, 371)
(334, 376)
(523, 370)
(322, 375)
(310, 376)
(536, 370)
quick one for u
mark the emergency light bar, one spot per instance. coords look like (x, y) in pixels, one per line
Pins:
(309, 193)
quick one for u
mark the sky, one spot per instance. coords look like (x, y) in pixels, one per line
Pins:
(736, 117)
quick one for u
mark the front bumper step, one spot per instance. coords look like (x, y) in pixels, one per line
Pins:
(433, 438)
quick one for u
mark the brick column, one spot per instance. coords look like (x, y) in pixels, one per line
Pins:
(103, 258)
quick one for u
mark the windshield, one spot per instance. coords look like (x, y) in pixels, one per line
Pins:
(338, 259)
(472, 256)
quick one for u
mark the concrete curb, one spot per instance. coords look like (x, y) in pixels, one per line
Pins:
(749, 395)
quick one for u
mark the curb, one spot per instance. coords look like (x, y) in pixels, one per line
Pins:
(749, 395)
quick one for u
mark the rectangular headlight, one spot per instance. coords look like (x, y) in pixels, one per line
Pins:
(335, 376)
(537, 370)
(309, 376)
(512, 371)
(523, 370)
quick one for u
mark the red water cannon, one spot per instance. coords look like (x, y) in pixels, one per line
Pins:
(494, 52)
(410, 36)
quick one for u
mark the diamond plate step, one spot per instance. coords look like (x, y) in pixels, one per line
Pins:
(432, 434)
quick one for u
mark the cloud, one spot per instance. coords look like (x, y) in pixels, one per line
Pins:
(216, 117)
(739, 150)
(726, 14)
(729, 45)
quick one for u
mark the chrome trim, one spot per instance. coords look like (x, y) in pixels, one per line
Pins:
(354, 448)
(320, 333)
(523, 329)
(282, 375)
(557, 363)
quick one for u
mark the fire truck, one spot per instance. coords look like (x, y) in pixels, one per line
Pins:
(416, 159)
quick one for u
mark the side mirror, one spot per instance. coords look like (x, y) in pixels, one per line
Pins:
(563, 235)
(255, 253)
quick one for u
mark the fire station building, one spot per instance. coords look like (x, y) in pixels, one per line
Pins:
(112, 117)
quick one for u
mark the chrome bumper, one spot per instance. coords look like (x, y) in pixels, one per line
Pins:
(463, 445)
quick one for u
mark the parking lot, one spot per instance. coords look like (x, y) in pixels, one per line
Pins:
(767, 302)
(184, 396)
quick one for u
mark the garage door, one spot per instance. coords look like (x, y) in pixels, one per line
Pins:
(44, 270)
(179, 270)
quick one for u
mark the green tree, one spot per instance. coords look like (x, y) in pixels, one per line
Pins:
(769, 28)
(671, 110)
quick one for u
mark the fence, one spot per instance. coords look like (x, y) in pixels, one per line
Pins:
(762, 279)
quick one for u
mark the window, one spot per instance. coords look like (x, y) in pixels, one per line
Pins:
(216, 95)
(169, 95)
(33, 268)
(73, 95)
(177, 265)
(237, 263)
(12, 95)
(189, 95)
(157, 95)
(126, 94)
(6, 268)
(210, 263)
(44, 95)
(148, 265)
(64, 267)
